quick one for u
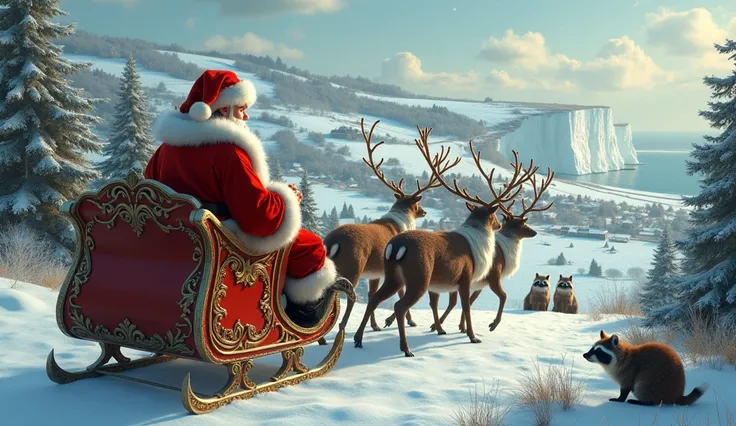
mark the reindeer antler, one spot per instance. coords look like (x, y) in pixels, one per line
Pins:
(538, 193)
(394, 187)
(437, 162)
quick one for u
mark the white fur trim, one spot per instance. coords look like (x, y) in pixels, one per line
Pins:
(239, 94)
(178, 129)
(401, 219)
(286, 233)
(200, 111)
(511, 249)
(482, 246)
(313, 286)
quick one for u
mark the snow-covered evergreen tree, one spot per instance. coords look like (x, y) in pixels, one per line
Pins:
(708, 282)
(658, 290)
(324, 217)
(344, 211)
(277, 174)
(45, 124)
(351, 212)
(333, 221)
(130, 145)
(310, 221)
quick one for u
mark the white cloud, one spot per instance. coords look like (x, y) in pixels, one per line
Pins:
(190, 22)
(405, 69)
(253, 44)
(620, 65)
(271, 7)
(502, 79)
(528, 51)
(689, 33)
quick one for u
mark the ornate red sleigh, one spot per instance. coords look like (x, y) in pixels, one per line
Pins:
(157, 273)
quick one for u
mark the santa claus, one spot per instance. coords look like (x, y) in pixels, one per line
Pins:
(208, 152)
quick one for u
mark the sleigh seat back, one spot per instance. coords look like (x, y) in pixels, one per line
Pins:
(156, 272)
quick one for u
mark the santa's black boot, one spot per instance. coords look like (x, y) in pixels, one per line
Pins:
(308, 314)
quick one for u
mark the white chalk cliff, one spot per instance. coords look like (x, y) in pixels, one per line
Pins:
(578, 142)
(626, 144)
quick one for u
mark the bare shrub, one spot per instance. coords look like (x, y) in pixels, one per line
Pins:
(705, 340)
(26, 257)
(636, 335)
(615, 301)
(581, 271)
(482, 409)
(538, 390)
(614, 273)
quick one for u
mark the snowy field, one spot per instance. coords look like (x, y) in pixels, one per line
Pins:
(408, 156)
(375, 385)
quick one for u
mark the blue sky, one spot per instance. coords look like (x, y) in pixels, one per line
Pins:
(644, 58)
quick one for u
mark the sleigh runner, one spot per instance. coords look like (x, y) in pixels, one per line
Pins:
(157, 273)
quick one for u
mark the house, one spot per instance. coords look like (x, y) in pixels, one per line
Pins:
(619, 238)
(344, 132)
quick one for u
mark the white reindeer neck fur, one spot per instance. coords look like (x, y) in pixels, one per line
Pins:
(483, 247)
(511, 249)
(404, 221)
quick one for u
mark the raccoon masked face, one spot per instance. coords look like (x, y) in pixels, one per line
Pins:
(541, 282)
(565, 283)
(603, 351)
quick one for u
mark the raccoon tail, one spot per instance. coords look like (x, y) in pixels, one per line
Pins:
(693, 396)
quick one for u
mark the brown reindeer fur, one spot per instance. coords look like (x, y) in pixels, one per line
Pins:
(440, 261)
(357, 249)
(515, 229)
(538, 297)
(564, 298)
(652, 371)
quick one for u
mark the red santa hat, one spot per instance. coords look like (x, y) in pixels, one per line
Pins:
(215, 89)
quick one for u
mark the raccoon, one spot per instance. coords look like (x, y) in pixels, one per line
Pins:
(538, 297)
(652, 371)
(564, 298)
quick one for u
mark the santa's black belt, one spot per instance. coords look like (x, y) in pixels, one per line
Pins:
(217, 209)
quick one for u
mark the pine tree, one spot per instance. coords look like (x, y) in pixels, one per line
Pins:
(277, 174)
(333, 221)
(595, 269)
(45, 124)
(351, 212)
(310, 222)
(344, 212)
(561, 260)
(709, 246)
(324, 217)
(656, 291)
(130, 145)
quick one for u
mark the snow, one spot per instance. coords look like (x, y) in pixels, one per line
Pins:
(626, 144)
(375, 385)
(322, 122)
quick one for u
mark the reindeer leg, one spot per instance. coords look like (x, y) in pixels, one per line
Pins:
(388, 289)
(473, 296)
(451, 302)
(372, 289)
(464, 291)
(410, 298)
(496, 288)
(408, 312)
(434, 300)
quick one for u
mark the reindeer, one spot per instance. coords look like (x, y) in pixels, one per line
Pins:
(357, 249)
(507, 258)
(457, 260)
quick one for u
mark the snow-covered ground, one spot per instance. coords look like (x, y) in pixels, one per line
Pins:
(375, 385)
(407, 154)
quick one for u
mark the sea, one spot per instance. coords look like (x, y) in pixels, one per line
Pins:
(663, 157)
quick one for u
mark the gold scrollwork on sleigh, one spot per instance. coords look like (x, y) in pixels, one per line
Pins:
(127, 201)
(246, 272)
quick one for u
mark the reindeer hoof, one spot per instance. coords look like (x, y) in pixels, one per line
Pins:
(411, 323)
(432, 328)
(376, 327)
(463, 330)
(492, 326)
(408, 354)
(441, 332)
(358, 343)
(475, 340)
(387, 324)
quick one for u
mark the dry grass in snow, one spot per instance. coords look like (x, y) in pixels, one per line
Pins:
(539, 390)
(26, 257)
(615, 301)
(482, 409)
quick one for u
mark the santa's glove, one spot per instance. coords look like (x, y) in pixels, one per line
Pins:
(297, 191)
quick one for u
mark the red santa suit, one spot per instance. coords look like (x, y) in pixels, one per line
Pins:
(219, 160)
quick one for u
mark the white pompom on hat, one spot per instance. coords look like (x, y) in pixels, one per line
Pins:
(215, 89)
